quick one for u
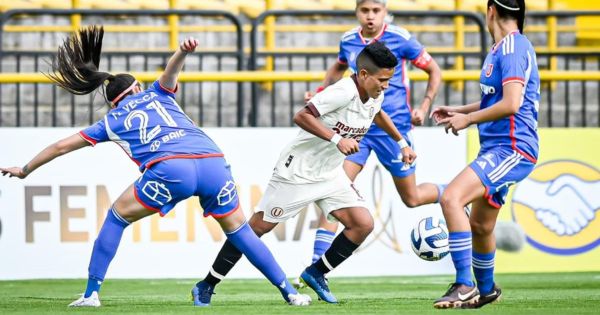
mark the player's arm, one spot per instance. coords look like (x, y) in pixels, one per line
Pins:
(51, 152)
(335, 73)
(383, 121)
(427, 64)
(442, 112)
(168, 79)
(509, 105)
(307, 119)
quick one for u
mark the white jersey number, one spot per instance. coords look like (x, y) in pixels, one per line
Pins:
(142, 116)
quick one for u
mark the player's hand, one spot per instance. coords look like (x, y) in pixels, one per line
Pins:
(455, 122)
(408, 156)
(307, 96)
(418, 117)
(441, 112)
(347, 146)
(189, 45)
(13, 172)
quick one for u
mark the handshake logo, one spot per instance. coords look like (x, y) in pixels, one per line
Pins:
(562, 198)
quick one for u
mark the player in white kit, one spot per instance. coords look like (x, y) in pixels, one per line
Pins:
(310, 167)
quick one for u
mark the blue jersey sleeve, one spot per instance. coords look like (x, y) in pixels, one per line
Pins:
(411, 49)
(158, 88)
(95, 133)
(513, 66)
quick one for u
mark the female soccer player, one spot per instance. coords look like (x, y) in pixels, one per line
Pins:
(178, 160)
(507, 120)
(371, 16)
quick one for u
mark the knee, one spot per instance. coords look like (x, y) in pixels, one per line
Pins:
(410, 201)
(481, 229)
(447, 200)
(365, 226)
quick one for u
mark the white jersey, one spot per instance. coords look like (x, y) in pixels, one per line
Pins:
(308, 158)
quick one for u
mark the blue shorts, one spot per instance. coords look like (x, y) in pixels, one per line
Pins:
(168, 182)
(387, 151)
(498, 169)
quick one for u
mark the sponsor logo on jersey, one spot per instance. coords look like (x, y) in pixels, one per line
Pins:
(558, 205)
(490, 69)
(486, 89)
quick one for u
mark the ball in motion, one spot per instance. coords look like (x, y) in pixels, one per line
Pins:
(429, 238)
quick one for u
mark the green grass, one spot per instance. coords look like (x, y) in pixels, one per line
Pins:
(558, 293)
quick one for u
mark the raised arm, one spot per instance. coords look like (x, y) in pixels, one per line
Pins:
(51, 152)
(168, 79)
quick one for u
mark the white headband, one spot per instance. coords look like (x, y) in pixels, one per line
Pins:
(505, 6)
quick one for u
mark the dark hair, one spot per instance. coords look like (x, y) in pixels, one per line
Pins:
(75, 67)
(510, 9)
(376, 56)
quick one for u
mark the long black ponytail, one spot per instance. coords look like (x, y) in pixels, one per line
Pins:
(510, 9)
(75, 67)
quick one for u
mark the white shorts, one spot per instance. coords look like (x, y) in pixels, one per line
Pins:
(284, 199)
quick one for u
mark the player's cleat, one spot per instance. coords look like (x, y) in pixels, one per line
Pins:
(201, 293)
(492, 297)
(91, 301)
(298, 284)
(458, 295)
(298, 299)
(318, 283)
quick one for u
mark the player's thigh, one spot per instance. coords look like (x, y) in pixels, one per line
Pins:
(216, 187)
(284, 199)
(340, 193)
(129, 208)
(464, 188)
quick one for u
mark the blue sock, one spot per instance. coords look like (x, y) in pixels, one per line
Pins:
(246, 241)
(483, 267)
(105, 248)
(441, 188)
(323, 239)
(460, 250)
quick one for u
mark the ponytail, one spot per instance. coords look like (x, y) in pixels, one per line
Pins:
(521, 15)
(75, 67)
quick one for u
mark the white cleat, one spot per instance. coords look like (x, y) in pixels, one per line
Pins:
(91, 301)
(299, 299)
(298, 284)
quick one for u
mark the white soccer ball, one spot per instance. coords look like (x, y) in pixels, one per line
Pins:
(429, 239)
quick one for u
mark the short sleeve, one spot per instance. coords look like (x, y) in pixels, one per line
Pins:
(514, 67)
(342, 58)
(156, 86)
(330, 99)
(411, 49)
(95, 133)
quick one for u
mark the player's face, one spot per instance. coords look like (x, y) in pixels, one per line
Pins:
(370, 15)
(377, 82)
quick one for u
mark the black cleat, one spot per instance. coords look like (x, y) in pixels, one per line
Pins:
(457, 296)
(492, 297)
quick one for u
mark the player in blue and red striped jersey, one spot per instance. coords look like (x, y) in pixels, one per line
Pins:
(176, 158)
(507, 120)
(371, 15)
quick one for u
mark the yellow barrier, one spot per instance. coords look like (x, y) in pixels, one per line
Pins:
(302, 76)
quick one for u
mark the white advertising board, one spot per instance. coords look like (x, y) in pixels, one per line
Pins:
(49, 221)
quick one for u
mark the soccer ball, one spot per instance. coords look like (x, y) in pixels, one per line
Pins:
(429, 239)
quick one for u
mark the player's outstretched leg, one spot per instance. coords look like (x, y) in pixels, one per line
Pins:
(105, 248)
(228, 256)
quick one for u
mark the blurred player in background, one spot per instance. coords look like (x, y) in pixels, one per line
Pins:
(310, 168)
(506, 118)
(177, 159)
(371, 15)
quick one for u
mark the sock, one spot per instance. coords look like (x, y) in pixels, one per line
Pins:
(483, 267)
(246, 241)
(228, 256)
(460, 250)
(441, 188)
(323, 239)
(340, 250)
(105, 248)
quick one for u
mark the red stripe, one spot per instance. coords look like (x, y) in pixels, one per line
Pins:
(513, 141)
(490, 200)
(87, 138)
(135, 194)
(169, 90)
(405, 86)
(217, 216)
(182, 156)
(511, 79)
(342, 62)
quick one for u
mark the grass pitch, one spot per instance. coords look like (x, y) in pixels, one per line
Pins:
(556, 293)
